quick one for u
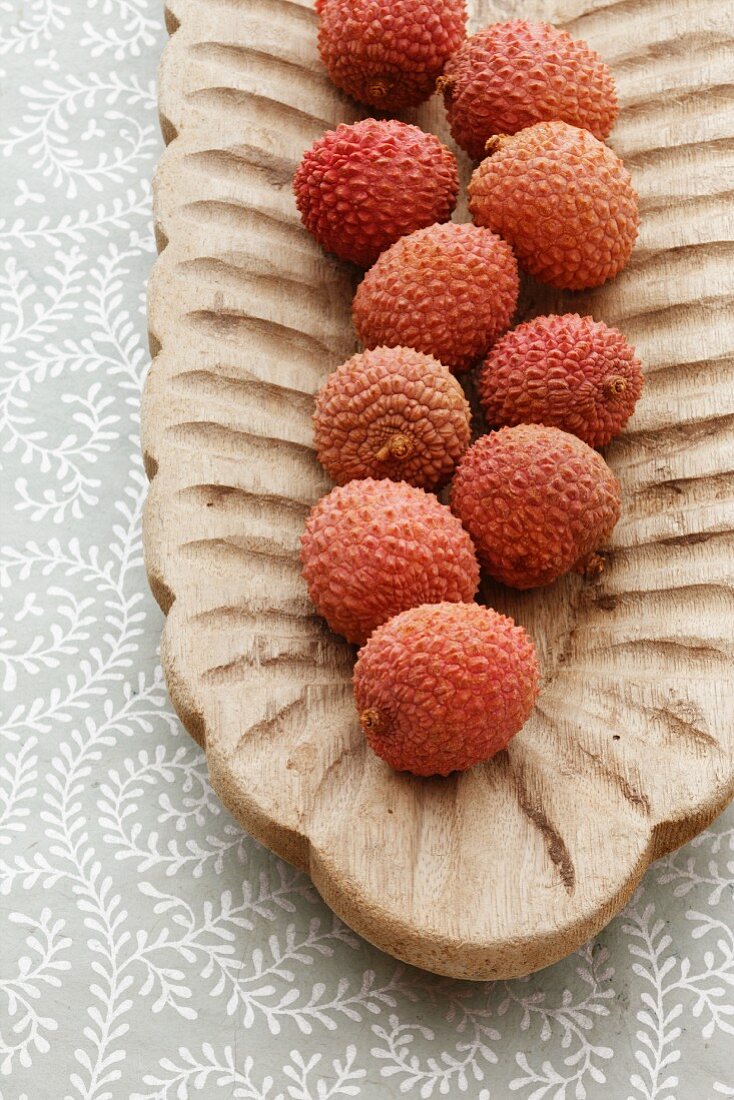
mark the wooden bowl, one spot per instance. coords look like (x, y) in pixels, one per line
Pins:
(510, 866)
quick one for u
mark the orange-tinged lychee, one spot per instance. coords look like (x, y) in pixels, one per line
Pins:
(389, 53)
(448, 290)
(512, 75)
(568, 372)
(391, 412)
(374, 548)
(445, 686)
(361, 187)
(537, 502)
(563, 200)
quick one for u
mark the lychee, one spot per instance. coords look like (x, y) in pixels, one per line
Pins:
(512, 75)
(391, 412)
(389, 53)
(361, 187)
(448, 290)
(374, 548)
(445, 686)
(537, 502)
(567, 372)
(562, 199)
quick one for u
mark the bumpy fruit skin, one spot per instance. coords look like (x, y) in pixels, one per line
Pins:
(445, 686)
(448, 290)
(392, 412)
(512, 75)
(537, 502)
(389, 53)
(374, 548)
(562, 199)
(361, 187)
(567, 372)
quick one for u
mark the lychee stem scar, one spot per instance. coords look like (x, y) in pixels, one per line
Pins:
(379, 88)
(398, 446)
(591, 566)
(615, 385)
(493, 143)
(370, 720)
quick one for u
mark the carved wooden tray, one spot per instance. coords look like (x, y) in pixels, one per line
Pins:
(631, 751)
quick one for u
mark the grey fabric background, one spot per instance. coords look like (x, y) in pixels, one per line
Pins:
(147, 947)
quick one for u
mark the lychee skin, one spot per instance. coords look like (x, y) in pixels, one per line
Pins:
(445, 686)
(512, 75)
(567, 372)
(392, 412)
(389, 53)
(361, 187)
(537, 502)
(374, 548)
(562, 199)
(448, 290)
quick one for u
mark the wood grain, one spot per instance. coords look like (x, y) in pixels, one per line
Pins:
(630, 753)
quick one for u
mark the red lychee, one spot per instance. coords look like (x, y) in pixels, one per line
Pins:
(374, 548)
(445, 686)
(361, 187)
(391, 412)
(562, 199)
(512, 75)
(567, 372)
(537, 502)
(389, 53)
(448, 290)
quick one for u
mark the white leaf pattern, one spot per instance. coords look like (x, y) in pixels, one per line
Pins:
(151, 950)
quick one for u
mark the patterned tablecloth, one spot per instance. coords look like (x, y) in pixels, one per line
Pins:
(147, 947)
